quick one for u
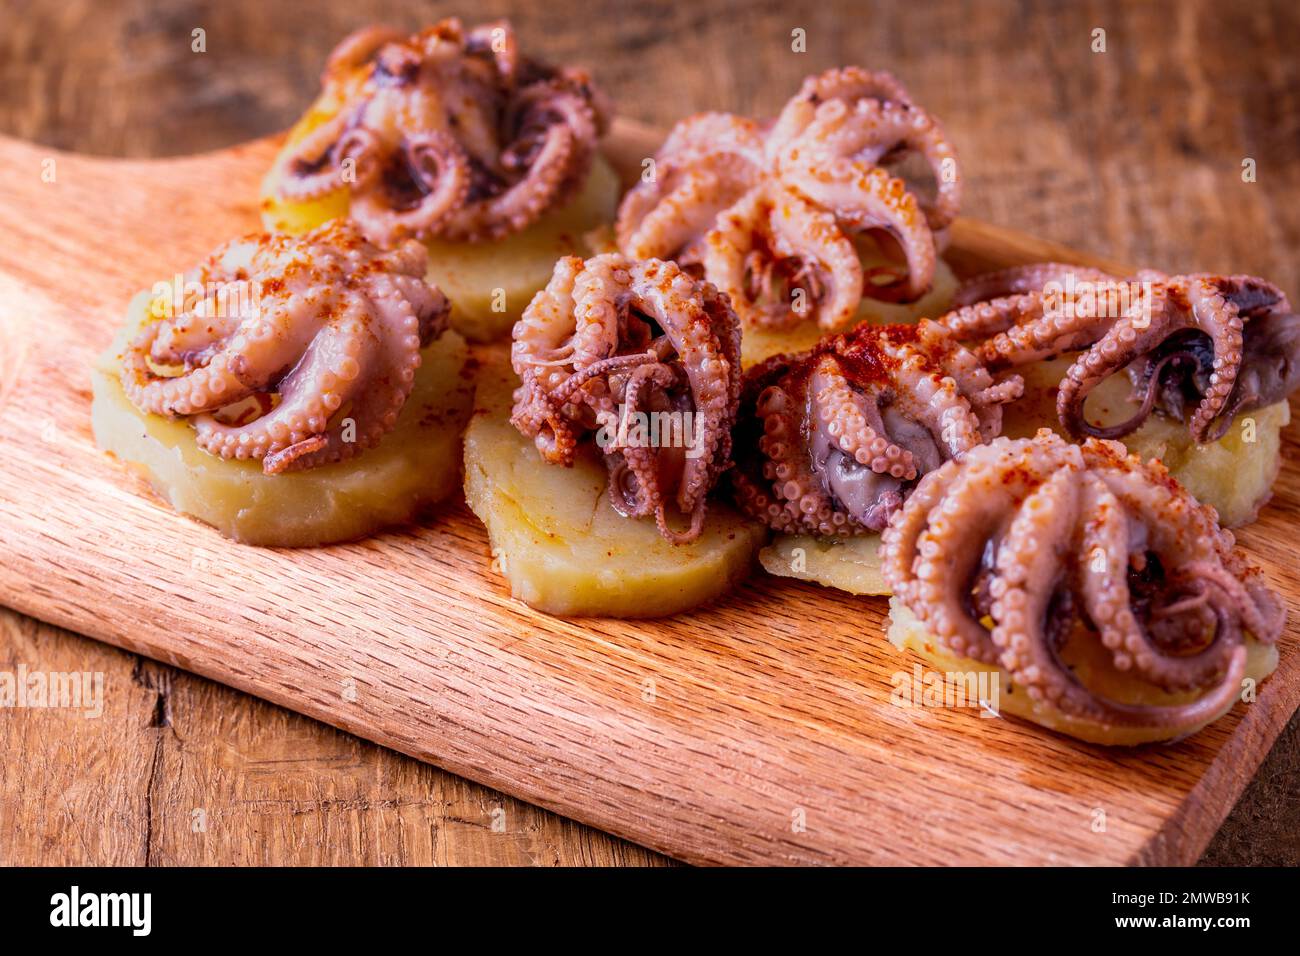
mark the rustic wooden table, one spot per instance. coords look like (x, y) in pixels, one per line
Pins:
(1136, 151)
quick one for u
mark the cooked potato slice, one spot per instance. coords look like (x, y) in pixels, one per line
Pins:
(563, 548)
(489, 283)
(1234, 474)
(757, 344)
(295, 218)
(413, 467)
(1090, 662)
(850, 564)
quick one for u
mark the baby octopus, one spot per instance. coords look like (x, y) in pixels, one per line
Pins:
(611, 338)
(773, 214)
(831, 440)
(1199, 348)
(330, 330)
(450, 133)
(1014, 548)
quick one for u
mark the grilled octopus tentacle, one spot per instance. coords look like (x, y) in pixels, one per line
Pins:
(1199, 348)
(613, 337)
(449, 133)
(1018, 547)
(337, 326)
(775, 215)
(832, 440)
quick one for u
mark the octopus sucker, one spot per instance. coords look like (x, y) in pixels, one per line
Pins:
(613, 340)
(1034, 555)
(450, 133)
(831, 441)
(1195, 369)
(708, 162)
(782, 215)
(1199, 348)
(455, 137)
(311, 393)
(336, 321)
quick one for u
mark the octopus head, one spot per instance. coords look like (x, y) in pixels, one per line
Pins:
(832, 440)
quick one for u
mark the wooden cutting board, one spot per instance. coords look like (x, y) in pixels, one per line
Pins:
(758, 730)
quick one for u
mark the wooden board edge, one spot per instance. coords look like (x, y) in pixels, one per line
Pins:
(1185, 833)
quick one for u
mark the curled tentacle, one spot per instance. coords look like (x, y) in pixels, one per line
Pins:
(438, 172)
(448, 133)
(310, 170)
(850, 84)
(357, 49)
(783, 217)
(875, 134)
(833, 440)
(781, 261)
(647, 359)
(1190, 303)
(1018, 548)
(668, 217)
(329, 346)
(1199, 348)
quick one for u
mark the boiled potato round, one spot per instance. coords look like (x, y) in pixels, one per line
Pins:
(415, 465)
(850, 564)
(1233, 474)
(561, 545)
(1091, 664)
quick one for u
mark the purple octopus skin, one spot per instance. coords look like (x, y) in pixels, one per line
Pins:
(449, 133)
(1050, 542)
(1199, 348)
(831, 441)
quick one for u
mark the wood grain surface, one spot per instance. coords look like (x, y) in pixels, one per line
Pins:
(756, 730)
(1135, 154)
